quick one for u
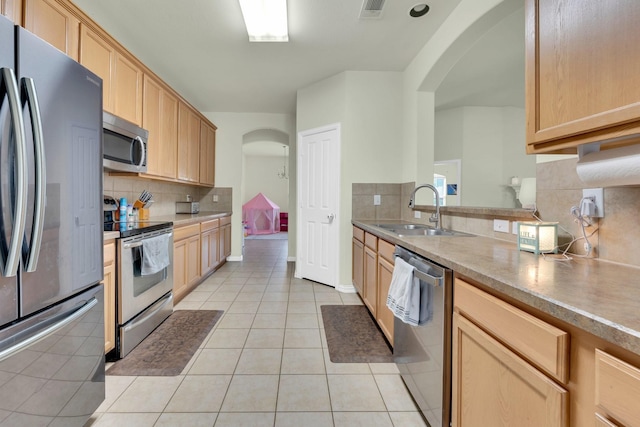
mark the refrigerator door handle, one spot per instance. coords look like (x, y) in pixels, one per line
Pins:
(10, 268)
(70, 316)
(31, 99)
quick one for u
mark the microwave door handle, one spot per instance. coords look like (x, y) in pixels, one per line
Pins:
(140, 144)
(31, 98)
(10, 268)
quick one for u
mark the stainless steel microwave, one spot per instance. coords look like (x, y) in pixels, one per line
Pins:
(124, 145)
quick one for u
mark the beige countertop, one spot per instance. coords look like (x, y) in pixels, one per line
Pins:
(179, 220)
(599, 297)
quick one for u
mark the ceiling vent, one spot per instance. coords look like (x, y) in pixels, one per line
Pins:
(372, 9)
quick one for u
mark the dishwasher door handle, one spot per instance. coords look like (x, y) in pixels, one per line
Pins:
(428, 278)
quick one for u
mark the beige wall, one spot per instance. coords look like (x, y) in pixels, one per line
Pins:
(261, 176)
(366, 106)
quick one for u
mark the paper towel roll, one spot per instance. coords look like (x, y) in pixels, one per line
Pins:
(611, 168)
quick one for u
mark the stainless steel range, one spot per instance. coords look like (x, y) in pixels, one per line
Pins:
(144, 297)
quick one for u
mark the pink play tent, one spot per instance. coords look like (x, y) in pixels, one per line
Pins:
(261, 215)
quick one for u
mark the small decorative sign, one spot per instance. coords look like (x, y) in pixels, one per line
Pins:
(538, 237)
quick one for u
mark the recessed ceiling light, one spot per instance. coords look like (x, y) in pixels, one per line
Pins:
(266, 20)
(419, 10)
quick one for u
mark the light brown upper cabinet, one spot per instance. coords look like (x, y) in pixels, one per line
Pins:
(98, 55)
(127, 89)
(207, 154)
(188, 144)
(160, 118)
(582, 79)
(54, 23)
(12, 9)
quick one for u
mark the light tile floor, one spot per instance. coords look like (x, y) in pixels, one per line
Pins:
(265, 363)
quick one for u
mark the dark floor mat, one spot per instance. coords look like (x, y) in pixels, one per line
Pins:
(168, 349)
(352, 335)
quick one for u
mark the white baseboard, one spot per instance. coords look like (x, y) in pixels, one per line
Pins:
(291, 259)
(346, 289)
(235, 258)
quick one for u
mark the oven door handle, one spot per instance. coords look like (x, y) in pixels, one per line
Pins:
(132, 245)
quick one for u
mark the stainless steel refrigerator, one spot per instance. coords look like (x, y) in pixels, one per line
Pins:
(51, 300)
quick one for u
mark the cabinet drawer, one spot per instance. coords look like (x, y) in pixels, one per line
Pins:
(358, 234)
(385, 250)
(371, 241)
(542, 344)
(184, 232)
(209, 225)
(617, 389)
(225, 220)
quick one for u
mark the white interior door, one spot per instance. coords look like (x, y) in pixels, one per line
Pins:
(318, 204)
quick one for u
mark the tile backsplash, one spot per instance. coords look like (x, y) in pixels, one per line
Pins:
(616, 237)
(166, 194)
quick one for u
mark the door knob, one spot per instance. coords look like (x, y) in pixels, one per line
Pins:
(330, 217)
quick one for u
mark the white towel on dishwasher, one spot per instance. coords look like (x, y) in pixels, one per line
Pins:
(155, 254)
(404, 293)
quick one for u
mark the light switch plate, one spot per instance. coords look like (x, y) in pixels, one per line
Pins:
(215, 198)
(417, 214)
(376, 200)
(501, 225)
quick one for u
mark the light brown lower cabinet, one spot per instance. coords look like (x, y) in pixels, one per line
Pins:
(357, 264)
(210, 244)
(225, 238)
(109, 295)
(617, 391)
(493, 386)
(186, 259)
(384, 316)
(372, 268)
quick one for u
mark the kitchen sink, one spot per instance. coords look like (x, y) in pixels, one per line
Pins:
(411, 230)
(402, 226)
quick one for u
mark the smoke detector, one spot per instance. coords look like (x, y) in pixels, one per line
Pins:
(372, 9)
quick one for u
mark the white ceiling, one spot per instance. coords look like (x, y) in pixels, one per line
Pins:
(201, 48)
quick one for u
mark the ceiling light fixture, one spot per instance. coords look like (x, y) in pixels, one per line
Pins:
(266, 20)
(419, 10)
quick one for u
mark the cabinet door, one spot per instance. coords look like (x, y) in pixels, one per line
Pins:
(109, 297)
(168, 134)
(193, 260)
(492, 386)
(99, 56)
(127, 89)
(205, 244)
(214, 248)
(581, 72)
(12, 9)
(188, 144)
(52, 22)
(179, 268)
(617, 389)
(160, 118)
(384, 316)
(357, 264)
(227, 240)
(207, 154)
(370, 279)
(151, 122)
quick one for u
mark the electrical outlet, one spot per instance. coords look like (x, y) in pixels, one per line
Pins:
(215, 198)
(417, 214)
(376, 200)
(598, 198)
(514, 227)
(501, 225)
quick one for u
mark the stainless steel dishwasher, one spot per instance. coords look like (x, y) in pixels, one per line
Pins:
(423, 353)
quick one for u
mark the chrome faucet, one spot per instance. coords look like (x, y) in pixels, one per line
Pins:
(436, 216)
